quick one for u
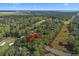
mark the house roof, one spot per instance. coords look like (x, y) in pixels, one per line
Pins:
(35, 36)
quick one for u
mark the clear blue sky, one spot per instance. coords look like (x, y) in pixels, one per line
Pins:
(39, 6)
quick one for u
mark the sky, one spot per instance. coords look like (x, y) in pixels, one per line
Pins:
(39, 6)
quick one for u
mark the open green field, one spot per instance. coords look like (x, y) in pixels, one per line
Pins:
(7, 13)
(11, 13)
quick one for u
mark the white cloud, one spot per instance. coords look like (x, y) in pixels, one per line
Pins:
(66, 4)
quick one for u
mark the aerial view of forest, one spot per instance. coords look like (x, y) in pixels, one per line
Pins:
(39, 33)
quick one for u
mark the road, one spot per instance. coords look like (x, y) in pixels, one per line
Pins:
(56, 52)
(37, 24)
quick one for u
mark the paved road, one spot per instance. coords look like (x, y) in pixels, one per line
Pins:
(56, 52)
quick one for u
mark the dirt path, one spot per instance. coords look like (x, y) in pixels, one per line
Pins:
(62, 37)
